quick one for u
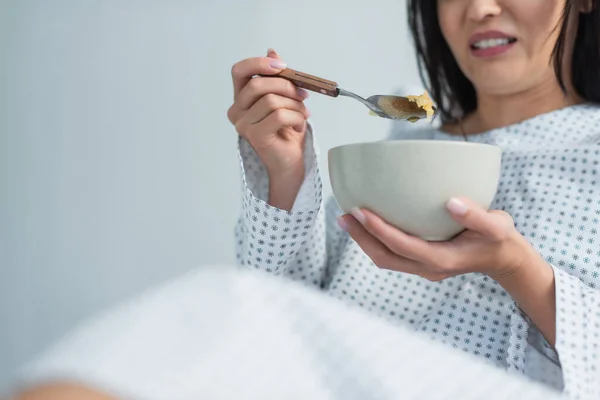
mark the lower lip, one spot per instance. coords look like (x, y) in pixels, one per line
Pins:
(492, 51)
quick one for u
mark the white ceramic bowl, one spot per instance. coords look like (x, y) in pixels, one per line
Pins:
(408, 182)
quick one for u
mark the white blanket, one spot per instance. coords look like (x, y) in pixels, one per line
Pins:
(219, 334)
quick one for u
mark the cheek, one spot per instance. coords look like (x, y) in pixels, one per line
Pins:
(541, 21)
(450, 20)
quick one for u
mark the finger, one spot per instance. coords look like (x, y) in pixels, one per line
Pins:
(300, 127)
(243, 71)
(273, 54)
(272, 123)
(475, 218)
(260, 87)
(271, 102)
(392, 262)
(377, 251)
(437, 255)
(401, 264)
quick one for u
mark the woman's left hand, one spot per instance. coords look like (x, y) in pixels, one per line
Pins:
(490, 244)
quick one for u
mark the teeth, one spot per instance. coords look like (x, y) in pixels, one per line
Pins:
(488, 43)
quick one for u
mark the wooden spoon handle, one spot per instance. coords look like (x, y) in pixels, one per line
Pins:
(309, 82)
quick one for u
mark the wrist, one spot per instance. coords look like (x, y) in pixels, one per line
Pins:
(529, 281)
(285, 177)
(527, 264)
(284, 188)
(516, 254)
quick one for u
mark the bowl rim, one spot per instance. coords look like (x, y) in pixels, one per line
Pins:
(425, 142)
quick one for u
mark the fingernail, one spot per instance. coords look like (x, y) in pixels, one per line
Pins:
(278, 64)
(302, 93)
(308, 113)
(342, 223)
(271, 50)
(359, 215)
(457, 207)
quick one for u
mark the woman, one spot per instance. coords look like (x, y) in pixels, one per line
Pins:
(518, 287)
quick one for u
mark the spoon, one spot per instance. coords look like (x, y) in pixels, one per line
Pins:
(385, 106)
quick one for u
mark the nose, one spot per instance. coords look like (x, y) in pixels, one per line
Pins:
(480, 10)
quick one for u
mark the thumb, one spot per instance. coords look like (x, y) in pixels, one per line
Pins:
(273, 54)
(475, 218)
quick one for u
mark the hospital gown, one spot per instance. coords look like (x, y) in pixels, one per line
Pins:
(550, 186)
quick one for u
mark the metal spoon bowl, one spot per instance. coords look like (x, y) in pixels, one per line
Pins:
(391, 107)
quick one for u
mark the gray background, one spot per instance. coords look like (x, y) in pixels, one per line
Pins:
(118, 167)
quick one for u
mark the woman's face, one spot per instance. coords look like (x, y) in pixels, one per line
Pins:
(503, 46)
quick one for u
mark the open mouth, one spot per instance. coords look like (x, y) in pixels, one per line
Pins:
(486, 44)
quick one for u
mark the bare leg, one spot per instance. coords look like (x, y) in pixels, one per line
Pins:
(62, 391)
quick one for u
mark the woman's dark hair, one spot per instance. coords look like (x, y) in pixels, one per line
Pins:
(454, 93)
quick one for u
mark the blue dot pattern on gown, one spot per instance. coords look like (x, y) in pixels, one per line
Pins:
(550, 186)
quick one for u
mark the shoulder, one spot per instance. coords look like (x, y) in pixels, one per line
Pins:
(579, 124)
(589, 114)
(578, 116)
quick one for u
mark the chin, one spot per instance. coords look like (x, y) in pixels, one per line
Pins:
(498, 81)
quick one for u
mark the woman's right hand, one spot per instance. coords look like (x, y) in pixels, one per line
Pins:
(270, 114)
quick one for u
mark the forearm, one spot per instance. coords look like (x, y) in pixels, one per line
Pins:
(533, 287)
